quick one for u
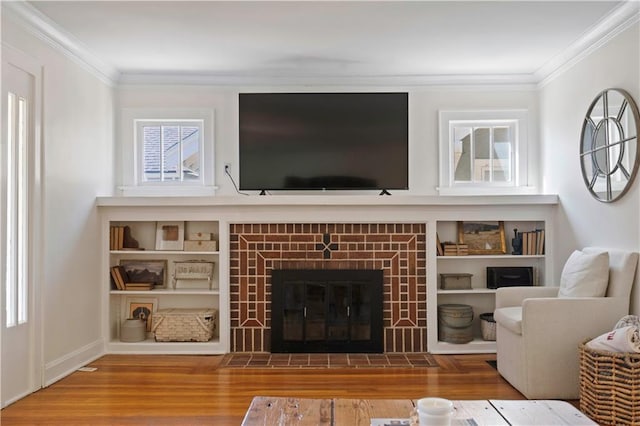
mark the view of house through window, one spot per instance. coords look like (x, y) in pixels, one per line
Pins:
(171, 151)
(483, 153)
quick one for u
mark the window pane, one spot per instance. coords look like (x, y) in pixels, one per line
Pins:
(171, 153)
(151, 153)
(462, 154)
(190, 153)
(11, 252)
(22, 212)
(502, 162)
(482, 154)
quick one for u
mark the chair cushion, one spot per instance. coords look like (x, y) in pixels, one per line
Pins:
(585, 275)
(510, 318)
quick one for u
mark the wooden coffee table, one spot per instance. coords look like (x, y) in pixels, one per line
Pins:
(266, 410)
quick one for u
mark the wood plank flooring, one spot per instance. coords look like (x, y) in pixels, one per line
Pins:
(193, 390)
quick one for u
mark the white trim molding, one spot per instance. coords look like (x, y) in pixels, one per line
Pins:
(626, 15)
(609, 26)
(51, 33)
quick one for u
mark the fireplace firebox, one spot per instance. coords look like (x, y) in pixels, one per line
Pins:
(326, 310)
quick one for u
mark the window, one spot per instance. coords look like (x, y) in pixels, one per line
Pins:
(482, 152)
(167, 152)
(170, 151)
(16, 211)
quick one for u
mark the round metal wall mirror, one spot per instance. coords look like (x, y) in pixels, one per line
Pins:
(609, 154)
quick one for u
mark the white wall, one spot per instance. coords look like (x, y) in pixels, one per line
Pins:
(77, 166)
(581, 220)
(424, 104)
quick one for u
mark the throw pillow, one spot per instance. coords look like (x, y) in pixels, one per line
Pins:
(585, 275)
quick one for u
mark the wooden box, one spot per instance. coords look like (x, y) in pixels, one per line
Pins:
(184, 325)
(455, 281)
(200, 236)
(193, 274)
(200, 245)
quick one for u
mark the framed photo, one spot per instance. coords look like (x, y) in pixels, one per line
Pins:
(483, 237)
(142, 308)
(145, 271)
(170, 236)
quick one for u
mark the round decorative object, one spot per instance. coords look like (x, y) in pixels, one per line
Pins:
(133, 330)
(609, 154)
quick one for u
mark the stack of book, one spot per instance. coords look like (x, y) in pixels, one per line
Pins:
(452, 249)
(121, 281)
(533, 242)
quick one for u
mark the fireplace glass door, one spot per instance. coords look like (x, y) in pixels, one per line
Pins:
(326, 311)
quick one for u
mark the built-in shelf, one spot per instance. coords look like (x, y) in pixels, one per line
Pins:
(479, 296)
(212, 292)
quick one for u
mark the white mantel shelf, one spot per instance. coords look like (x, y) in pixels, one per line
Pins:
(330, 200)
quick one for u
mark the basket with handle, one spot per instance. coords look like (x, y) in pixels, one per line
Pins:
(610, 386)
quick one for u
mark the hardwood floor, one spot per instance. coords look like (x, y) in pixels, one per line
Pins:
(193, 390)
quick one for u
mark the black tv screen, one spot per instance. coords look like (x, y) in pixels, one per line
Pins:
(309, 141)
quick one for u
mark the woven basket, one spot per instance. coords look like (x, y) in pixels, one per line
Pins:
(184, 325)
(488, 326)
(610, 386)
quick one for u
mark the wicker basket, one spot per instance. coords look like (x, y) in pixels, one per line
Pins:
(610, 386)
(488, 326)
(184, 325)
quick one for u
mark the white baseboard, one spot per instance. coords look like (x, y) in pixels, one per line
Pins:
(63, 366)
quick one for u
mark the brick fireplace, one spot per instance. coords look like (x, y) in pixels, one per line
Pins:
(396, 249)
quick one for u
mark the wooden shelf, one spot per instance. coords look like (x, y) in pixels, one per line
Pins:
(491, 256)
(472, 291)
(169, 291)
(163, 252)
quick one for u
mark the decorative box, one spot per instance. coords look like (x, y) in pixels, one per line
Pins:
(193, 274)
(200, 245)
(184, 325)
(455, 281)
(452, 249)
(200, 236)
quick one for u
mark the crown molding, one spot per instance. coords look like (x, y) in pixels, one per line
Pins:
(622, 18)
(248, 80)
(51, 33)
(627, 14)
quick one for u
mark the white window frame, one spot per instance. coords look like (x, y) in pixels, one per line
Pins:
(517, 119)
(131, 164)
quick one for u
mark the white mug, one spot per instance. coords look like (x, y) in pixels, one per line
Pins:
(434, 411)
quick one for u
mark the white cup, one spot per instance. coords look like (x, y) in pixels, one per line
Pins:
(435, 411)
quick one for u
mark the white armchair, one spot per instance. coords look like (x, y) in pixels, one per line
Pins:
(538, 333)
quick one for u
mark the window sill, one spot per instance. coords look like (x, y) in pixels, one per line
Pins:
(485, 190)
(166, 191)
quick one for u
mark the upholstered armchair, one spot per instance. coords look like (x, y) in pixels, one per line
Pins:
(539, 329)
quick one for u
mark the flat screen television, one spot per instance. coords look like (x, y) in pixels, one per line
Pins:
(318, 141)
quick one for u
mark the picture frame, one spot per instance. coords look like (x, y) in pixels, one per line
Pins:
(170, 235)
(142, 308)
(483, 237)
(146, 271)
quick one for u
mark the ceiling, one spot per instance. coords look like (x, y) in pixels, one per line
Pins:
(325, 40)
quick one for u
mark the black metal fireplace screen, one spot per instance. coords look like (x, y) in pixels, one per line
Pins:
(326, 310)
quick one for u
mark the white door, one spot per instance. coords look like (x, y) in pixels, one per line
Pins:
(20, 363)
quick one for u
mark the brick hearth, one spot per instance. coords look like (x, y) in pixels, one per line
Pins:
(397, 249)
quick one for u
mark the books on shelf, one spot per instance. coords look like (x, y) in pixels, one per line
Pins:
(120, 238)
(138, 286)
(121, 280)
(533, 242)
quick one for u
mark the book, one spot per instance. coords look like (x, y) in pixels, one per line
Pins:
(138, 286)
(118, 278)
(439, 249)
